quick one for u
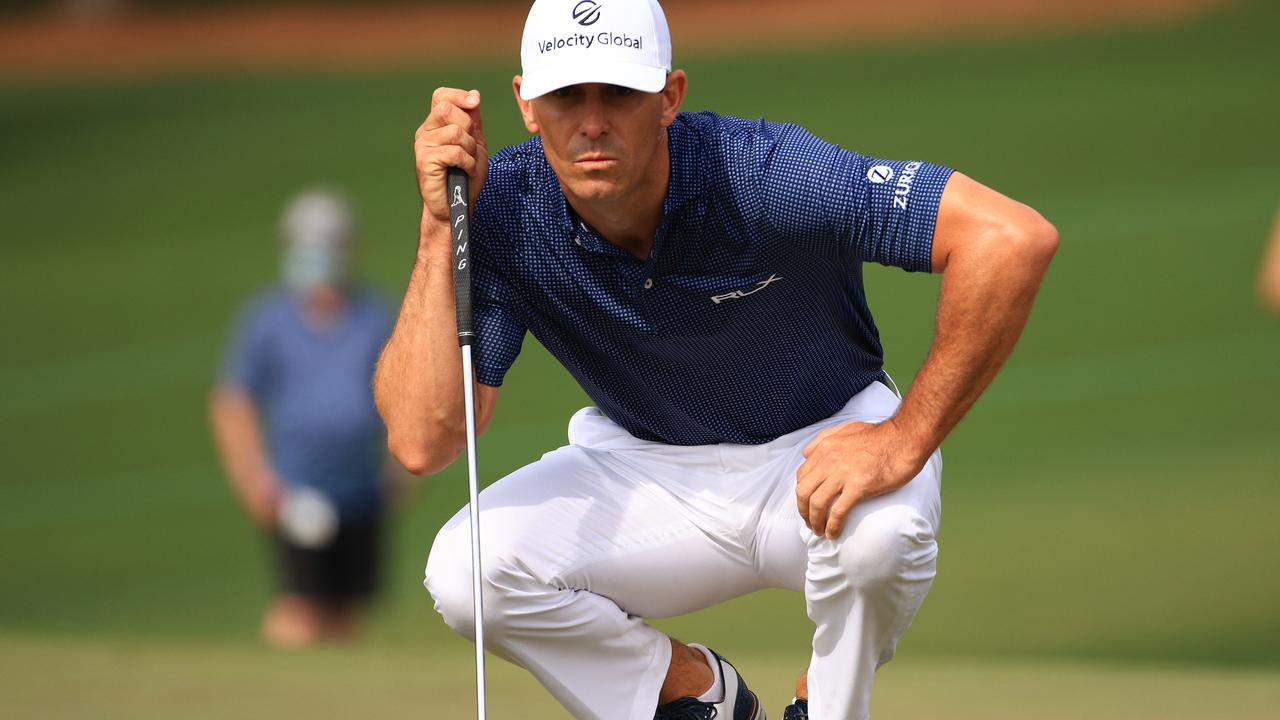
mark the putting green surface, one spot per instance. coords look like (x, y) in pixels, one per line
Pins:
(154, 681)
(1109, 545)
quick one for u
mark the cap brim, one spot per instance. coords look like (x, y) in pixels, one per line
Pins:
(644, 78)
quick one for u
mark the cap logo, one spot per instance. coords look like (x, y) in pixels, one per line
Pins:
(586, 12)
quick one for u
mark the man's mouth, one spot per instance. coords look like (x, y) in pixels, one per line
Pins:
(595, 161)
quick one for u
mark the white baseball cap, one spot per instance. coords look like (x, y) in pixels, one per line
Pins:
(318, 216)
(620, 42)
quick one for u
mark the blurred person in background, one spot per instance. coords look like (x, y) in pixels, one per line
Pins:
(1269, 275)
(295, 426)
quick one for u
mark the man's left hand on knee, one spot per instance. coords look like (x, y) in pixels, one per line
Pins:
(849, 463)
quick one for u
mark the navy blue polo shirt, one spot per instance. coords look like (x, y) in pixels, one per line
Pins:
(748, 319)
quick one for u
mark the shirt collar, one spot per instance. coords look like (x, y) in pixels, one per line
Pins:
(686, 182)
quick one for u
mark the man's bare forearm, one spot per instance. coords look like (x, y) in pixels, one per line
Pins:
(238, 437)
(418, 382)
(1269, 273)
(988, 289)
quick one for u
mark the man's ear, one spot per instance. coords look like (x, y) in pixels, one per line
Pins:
(673, 95)
(526, 106)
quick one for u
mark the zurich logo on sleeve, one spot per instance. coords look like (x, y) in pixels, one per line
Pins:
(880, 174)
(586, 12)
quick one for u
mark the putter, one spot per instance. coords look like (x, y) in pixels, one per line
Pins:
(459, 222)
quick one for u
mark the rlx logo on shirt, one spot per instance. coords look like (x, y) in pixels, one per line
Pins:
(717, 299)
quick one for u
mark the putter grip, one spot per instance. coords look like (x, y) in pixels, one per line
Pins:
(460, 231)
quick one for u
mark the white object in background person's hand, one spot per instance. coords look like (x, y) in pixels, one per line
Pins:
(308, 518)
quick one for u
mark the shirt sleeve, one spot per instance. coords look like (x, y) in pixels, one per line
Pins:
(246, 362)
(881, 211)
(499, 333)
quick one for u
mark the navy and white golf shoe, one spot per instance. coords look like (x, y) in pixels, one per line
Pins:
(736, 703)
(797, 710)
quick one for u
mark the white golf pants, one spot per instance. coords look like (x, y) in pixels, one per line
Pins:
(582, 545)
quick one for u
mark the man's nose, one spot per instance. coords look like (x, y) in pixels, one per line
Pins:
(595, 119)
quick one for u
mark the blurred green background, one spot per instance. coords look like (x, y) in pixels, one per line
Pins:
(1110, 540)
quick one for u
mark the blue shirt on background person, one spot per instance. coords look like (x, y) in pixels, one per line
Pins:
(312, 388)
(747, 321)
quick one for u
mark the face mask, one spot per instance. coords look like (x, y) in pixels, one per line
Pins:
(308, 266)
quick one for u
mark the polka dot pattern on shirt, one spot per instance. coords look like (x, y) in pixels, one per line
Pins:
(748, 319)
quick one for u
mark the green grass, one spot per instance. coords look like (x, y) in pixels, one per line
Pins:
(1109, 544)
(157, 681)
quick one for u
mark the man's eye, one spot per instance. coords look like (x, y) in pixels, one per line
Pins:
(563, 92)
(621, 91)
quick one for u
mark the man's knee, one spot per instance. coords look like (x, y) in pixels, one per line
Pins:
(448, 578)
(503, 581)
(890, 545)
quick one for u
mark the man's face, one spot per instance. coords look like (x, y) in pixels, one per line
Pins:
(603, 141)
